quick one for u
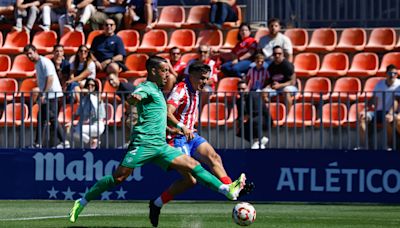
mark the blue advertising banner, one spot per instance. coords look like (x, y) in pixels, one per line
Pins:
(279, 175)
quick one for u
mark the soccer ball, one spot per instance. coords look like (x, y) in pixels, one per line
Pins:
(244, 214)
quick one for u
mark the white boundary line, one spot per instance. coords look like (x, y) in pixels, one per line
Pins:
(49, 217)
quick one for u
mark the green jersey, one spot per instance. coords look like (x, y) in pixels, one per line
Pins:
(152, 116)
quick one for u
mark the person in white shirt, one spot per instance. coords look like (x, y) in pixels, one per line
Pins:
(50, 91)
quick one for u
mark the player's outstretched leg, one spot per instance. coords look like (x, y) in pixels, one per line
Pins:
(154, 213)
(75, 210)
(236, 187)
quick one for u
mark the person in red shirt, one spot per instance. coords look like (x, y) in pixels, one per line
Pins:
(176, 68)
(242, 53)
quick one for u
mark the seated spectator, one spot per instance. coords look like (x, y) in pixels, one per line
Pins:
(108, 50)
(257, 76)
(222, 11)
(252, 125)
(282, 78)
(92, 114)
(383, 103)
(82, 68)
(6, 7)
(242, 53)
(52, 12)
(26, 9)
(176, 68)
(113, 9)
(61, 64)
(275, 38)
(78, 13)
(142, 11)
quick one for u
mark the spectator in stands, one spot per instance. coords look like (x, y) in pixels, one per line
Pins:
(275, 38)
(113, 9)
(242, 53)
(78, 13)
(222, 11)
(82, 68)
(92, 114)
(257, 76)
(176, 68)
(108, 50)
(50, 88)
(255, 125)
(52, 11)
(383, 105)
(282, 78)
(28, 9)
(142, 11)
(61, 64)
(6, 8)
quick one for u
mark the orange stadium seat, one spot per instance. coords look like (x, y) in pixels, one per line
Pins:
(381, 39)
(171, 17)
(109, 112)
(277, 111)
(364, 64)
(5, 65)
(389, 58)
(234, 24)
(91, 37)
(214, 114)
(346, 89)
(334, 64)
(130, 38)
(306, 64)
(139, 80)
(22, 67)
(116, 118)
(260, 33)
(184, 39)
(316, 88)
(352, 40)
(1, 39)
(353, 114)
(108, 91)
(333, 115)
(15, 42)
(227, 88)
(198, 17)
(8, 89)
(189, 56)
(71, 41)
(65, 117)
(154, 40)
(136, 64)
(322, 40)
(33, 117)
(301, 114)
(164, 55)
(369, 86)
(26, 88)
(14, 114)
(44, 41)
(299, 38)
(210, 37)
(397, 47)
(231, 39)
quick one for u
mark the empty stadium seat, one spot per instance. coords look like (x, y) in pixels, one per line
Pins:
(352, 40)
(91, 37)
(171, 17)
(15, 42)
(353, 114)
(116, 118)
(14, 114)
(189, 56)
(109, 91)
(334, 64)
(5, 65)
(301, 114)
(198, 17)
(277, 111)
(322, 40)
(364, 64)
(316, 89)
(109, 113)
(44, 41)
(26, 88)
(260, 33)
(346, 89)
(333, 115)
(306, 64)
(369, 86)
(71, 41)
(130, 38)
(389, 58)
(33, 116)
(234, 24)
(184, 39)
(227, 88)
(299, 38)
(65, 115)
(139, 80)
(8, 89)
(154, 40)
(136, 64)
(210, 37)
(381, 39)
(231, 39)
(214, 114)
(22, 67)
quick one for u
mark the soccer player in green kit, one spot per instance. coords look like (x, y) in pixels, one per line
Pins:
(148, 143)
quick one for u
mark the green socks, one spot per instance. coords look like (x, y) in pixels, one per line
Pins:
(206, 178)
(102, 185)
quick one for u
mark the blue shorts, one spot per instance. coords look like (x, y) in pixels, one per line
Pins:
(189, 148)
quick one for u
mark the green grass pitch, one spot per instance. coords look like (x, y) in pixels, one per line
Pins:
(42, 213)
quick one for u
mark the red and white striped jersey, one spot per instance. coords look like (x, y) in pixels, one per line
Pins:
(186, 101)
(256, 78)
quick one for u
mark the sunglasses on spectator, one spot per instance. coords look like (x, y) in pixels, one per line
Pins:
(392, 73)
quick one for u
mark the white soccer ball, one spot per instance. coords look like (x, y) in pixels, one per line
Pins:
(244, 214)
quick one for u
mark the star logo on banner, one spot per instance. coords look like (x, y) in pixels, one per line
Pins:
(84, 193)
(68, 194)
(121, 193)
(52, 193)
(105, 195)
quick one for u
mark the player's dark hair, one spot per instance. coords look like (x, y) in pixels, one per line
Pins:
(199, 67)
(391, 67)
(29, 47)
(154, 62)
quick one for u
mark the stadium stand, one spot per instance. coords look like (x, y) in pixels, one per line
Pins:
(369, 86)
(189, 56)
(301, 114)
(306, 64)
(214, 114)
(184, 39)
(65, 117)
(8, 89)
(234, 24)
(153, 41)
(316, 89)
(381, 39)
(44, 41)
(346, 89)
(26, 87)
(22, 67)
(333, 115)
(71, 41)
(130, 38)
(322, 40)
(352, 40)
(210, 37)
(109, 92)
(260, 33)
(387, 59)
(116, 118)
(231, 39)
(91, 36)
(171, 17)
(15, 42)
(33, 116)
(136, 64)
(277, 112)
(198, 17)
(299, 38)
(5, 65)
(334, 64)
(14, 115)
(227, 89)
(364, 64)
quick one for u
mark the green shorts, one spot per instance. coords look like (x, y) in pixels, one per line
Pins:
(139, 155)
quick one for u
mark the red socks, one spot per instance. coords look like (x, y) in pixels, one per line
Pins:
(225, 180)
